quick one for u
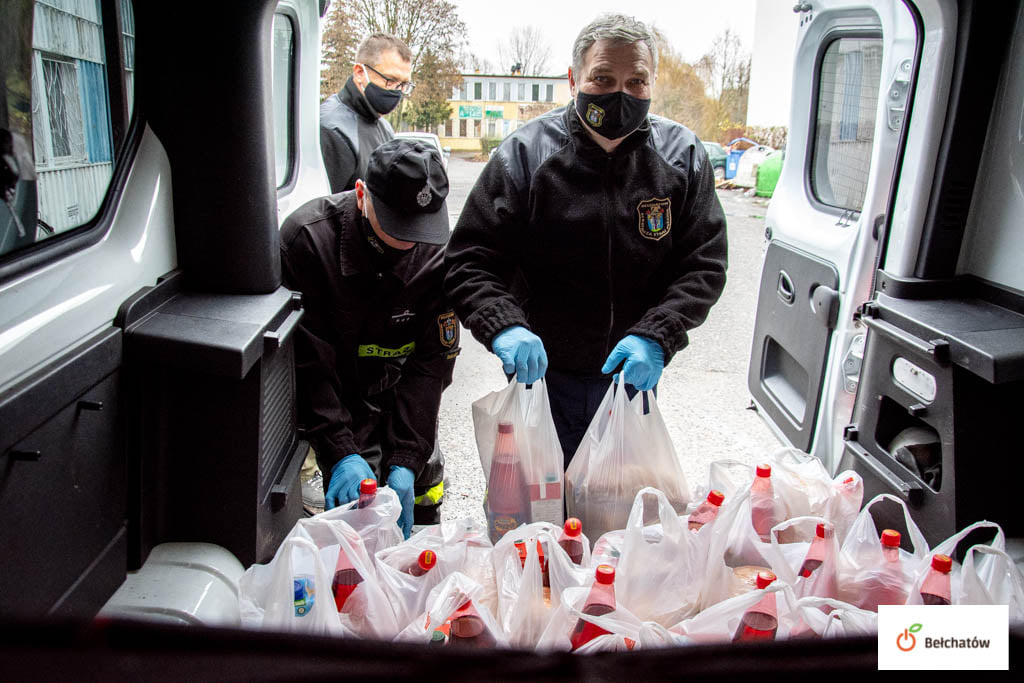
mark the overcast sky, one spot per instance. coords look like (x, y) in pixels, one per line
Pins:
(690, 25)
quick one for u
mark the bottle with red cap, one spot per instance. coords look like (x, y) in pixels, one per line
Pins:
(935, 589)
(886, 584)
(761, 621)
(423, 564)
(706, 511)
(521, 548)
(571, 539)
(600, 600)
(367, 493)
(346, 579)
(468, 629)
(764, 513)
(820, 549)
(508, 503)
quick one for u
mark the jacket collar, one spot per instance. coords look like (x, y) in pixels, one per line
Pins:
(354, 251)
(356, 100)
(586, 146)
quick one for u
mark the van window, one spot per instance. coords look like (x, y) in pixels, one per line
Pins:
(845, 121)
(283, 75)
(56, 132)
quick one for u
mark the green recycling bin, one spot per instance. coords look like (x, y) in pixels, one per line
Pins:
(768, 173)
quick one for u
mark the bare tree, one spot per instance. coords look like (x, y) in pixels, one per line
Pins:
(680, 93)
(525, 51)
(725, 71)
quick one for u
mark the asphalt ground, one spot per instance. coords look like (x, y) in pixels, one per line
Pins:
(703, 393)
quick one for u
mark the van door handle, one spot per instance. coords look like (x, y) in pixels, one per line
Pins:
(785, 290)
(825, 304)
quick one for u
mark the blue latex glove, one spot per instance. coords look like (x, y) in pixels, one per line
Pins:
(644, 358)
(521, 353)
(401, 480)
(345, 477)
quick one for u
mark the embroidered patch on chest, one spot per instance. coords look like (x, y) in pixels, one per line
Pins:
(448, 327)
(655, 218)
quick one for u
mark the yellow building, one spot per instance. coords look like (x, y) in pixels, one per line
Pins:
(492, 106)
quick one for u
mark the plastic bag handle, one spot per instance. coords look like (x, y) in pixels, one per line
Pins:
(968, 567)
(790, 576)
(948, 547)
(917, 539)
(796, 455)
(670, 522)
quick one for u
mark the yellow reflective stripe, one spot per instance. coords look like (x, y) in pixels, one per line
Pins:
(374, 351)
(434, 495)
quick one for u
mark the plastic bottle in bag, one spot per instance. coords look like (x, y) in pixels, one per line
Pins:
(367, 493)
(468, 629)
(426, 561)
(935, 589)
(600, 600)
(521, 548)
(764, 513)
(571, 540)
(346, 579)
(761, 621)
(885, 585)
(818, 552)
(706, 511)
(507, 503)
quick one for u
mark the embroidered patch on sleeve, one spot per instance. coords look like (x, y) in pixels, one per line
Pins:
(448, 327)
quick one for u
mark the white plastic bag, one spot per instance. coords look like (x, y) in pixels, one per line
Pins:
(623, 451)
(830, 618)
(468, 547)
(983, 569)
(406, 592)
(995, 581)
(523, 611)
(864, 574)
(528, 411)
(376, 524)
(787, 560)
(660, 579)
(622, 628)
(720, 622)
(443, 601)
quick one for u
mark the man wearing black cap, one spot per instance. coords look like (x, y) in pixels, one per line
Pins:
(378, 341)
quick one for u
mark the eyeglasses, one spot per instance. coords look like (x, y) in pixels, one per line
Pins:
(393, 84)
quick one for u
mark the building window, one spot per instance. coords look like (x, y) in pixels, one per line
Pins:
(508, 92)
(492, 129)
(536, 92)
(465, 90)
(522, 92)
(478, 91)
(492, 91)
(462, 128)
(448, 128)
(476, 128)
(551, 93)
(66, 129)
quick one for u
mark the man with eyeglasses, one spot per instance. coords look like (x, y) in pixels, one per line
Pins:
(351, 123)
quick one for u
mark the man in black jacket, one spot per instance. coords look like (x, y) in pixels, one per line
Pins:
(378, 341)
(593, 237)
(351, 126)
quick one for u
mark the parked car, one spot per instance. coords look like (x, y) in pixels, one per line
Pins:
(717, 157)
(430, 139)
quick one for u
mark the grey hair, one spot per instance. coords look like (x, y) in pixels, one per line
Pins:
(370, 50)
(618, 28)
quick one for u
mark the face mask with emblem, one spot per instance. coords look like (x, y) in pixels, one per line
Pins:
(612, 115)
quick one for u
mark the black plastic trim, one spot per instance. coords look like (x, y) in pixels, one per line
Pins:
(291, 177)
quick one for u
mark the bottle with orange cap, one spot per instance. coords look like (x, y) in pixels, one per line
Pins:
(821, 548)
(426, 561)
(764, 513)
(706, 511)
(507, 501)
(571, 539)
(600, 600)
(346, 579)
(935, 589)
(468, 629)
(761, 621)
(367, 493)
(885, 584)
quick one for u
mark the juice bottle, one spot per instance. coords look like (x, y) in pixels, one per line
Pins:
(346, 579)
(423, 564)
(818, 552)
(935, 588)
(706, 511)
(600, 600)
(367, 493)
(885, 585)
(468, 629)
(761, 621)
(571, 539)
(764, 513)
(508, 503)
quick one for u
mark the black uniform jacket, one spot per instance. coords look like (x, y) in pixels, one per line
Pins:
(377, 341)
(349, 132)
(584, 247)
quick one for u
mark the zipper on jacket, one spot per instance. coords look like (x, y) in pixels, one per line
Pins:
(608, 226)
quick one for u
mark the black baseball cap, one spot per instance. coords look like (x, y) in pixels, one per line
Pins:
(409, 185)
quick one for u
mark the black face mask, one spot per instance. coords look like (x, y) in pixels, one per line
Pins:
(383, 101)
(381, 253)
(612, 115)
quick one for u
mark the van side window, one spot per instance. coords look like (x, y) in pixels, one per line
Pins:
(59, 132)
(283, 77)
(845, 121)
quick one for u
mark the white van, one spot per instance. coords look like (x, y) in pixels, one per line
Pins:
(147, 393)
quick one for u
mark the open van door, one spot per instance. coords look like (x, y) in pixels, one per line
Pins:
(853, 70)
